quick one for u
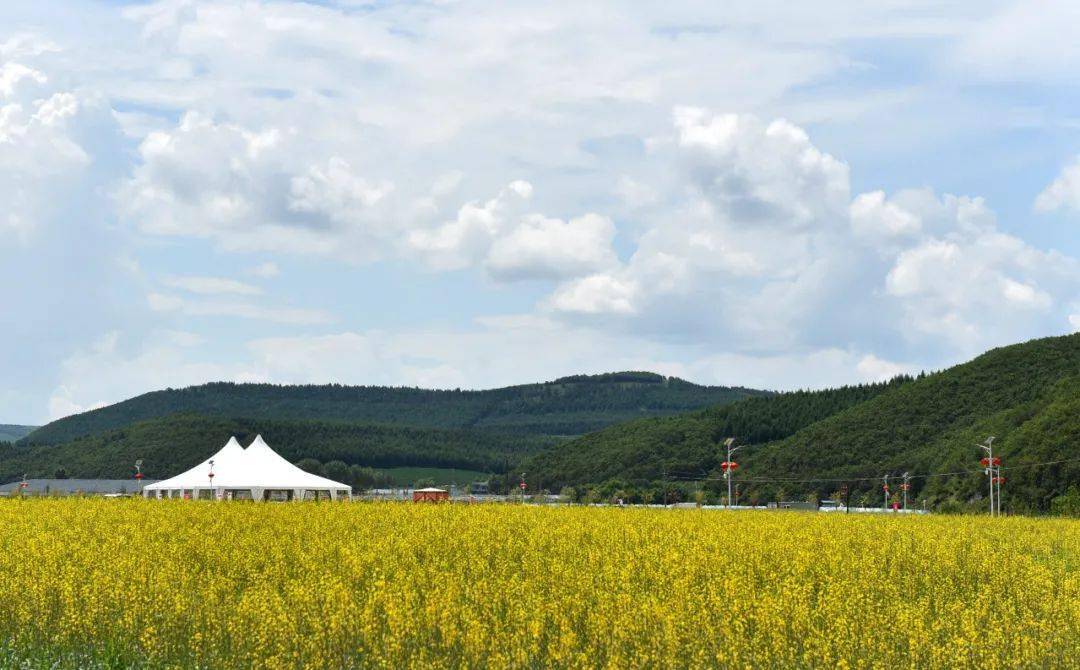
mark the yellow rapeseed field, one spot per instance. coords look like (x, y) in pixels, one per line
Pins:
(132, 583)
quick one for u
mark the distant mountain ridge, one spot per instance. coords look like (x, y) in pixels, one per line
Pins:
(565, 406)
(172, 444)
(12, 432)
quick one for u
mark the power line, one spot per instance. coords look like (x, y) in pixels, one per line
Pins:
(690, 477)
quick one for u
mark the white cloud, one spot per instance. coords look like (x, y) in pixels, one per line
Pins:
(26, 44)
(765, 209)
(335, 192)
(872, 215)
(596, 294)
(979, 291)
(40, 150)
(314, 129)
(12, 73)
(877, 369)
(211, 285)
(61, 404)
(465, 240)
(1031, 40)
(513, 245)
(542, 248)
(769, 251)
(111, 370)
(164, 303)
(635, 193)
(253, 191)
(1063, 192)
(754, 174)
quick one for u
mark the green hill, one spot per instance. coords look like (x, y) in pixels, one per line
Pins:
(568, 406)
(12, 432)
(172, 444)
(1027, 395)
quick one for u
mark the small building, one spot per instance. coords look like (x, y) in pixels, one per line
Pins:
(479, 488)
(74, 487)
(794, 504)
(431, 494)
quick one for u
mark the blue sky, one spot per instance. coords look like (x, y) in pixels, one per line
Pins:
(461, 194)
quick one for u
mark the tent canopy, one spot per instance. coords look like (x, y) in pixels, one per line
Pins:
(256, 469)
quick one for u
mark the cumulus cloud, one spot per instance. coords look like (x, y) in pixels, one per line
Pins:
(872, 215)
(511, 244)
(765, 210)
(308, 129)
(334, 191)
(40, 150)
(1063, 192)
(756, 174)
(596, 294)
(770, 251)
(543, 248)
(252, 190)
(977, 290)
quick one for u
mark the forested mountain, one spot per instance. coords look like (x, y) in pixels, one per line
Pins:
(172, 444)
(686, 445)
(12, 432)
(567, 406)
(1027, 395)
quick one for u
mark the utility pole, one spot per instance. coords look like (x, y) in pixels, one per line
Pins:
(210, 476)
(665, 485)
(139, 475)
(885, 488)
(904, 487)
(522, 487)
(991, 464)
(729, 465)
(999, 480)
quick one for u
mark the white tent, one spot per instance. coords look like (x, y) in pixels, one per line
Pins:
(256, 473)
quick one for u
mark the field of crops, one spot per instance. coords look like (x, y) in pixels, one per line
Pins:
(99, 583)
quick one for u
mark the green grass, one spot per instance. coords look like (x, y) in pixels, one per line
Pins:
(408, 476)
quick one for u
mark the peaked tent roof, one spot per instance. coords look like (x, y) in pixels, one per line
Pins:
(266, 465)
(227, 461)
(258, 466)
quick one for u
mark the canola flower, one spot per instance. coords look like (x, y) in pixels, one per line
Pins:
(174, 584)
